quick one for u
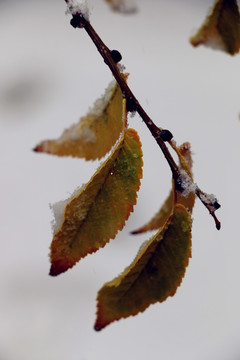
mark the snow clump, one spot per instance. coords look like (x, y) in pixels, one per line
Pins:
(75, 7)
(59, 209)
(186, 183)
(101, 103)
(78, 132)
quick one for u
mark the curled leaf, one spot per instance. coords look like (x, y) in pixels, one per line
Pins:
(95, 134)
(221, 29)
(160, 218)
(154, 275)
(95, 214)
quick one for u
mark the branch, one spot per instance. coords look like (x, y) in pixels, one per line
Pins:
(211, 204)
(111, 58)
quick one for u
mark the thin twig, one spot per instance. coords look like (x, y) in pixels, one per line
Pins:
(78, 21)
(127, 93)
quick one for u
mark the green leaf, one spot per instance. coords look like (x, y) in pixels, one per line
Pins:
(94, 215)
(95, 134)
(160, 218)
(154, 275)
(221, 29)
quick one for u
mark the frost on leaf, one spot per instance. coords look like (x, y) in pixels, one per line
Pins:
(221, 29)
(95, 134)
(122, 6)
(160, 218)
(154, 275)
(99, 210)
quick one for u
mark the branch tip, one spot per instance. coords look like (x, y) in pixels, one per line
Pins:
(78, 21)
(78, 8)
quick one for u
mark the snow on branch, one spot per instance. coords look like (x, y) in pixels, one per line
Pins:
(186, 184)
(76, 7)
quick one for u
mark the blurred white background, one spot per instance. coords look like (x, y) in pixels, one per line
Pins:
(50, 75)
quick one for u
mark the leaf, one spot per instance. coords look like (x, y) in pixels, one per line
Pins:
(160, 218)
(95, 134)
(185, 160)
(221, 29)
(154, 275)
(94, 216)
(122, 6)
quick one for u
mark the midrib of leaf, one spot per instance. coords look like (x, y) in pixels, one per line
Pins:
(123, 293)
(97, 195)
(171, 269)
(124, 147)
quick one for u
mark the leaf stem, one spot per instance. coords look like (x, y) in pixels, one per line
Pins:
(78, 21)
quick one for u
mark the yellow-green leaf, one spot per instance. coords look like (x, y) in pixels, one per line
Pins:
(159, 219)
(94, 216)
(95, 134)
(221, 29)
(154, 275)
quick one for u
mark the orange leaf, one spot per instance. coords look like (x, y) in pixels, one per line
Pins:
(95, 214)
(154, 275)
(95, 134)
(221, 29)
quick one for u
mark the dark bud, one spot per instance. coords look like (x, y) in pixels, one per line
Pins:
(131, 105)
(77, 21)
(116, 56)
(216, 205)
(178, 185)
(166, 135)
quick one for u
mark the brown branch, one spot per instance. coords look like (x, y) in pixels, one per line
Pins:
(212, 206)
(78, 21)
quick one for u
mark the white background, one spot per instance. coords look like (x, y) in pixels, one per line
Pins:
(50, 75)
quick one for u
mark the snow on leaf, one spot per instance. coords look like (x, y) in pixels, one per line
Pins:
(153, 276)
(221, 29)
(122, 6)
(95, 134)
(95, 214)
(160, 218)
